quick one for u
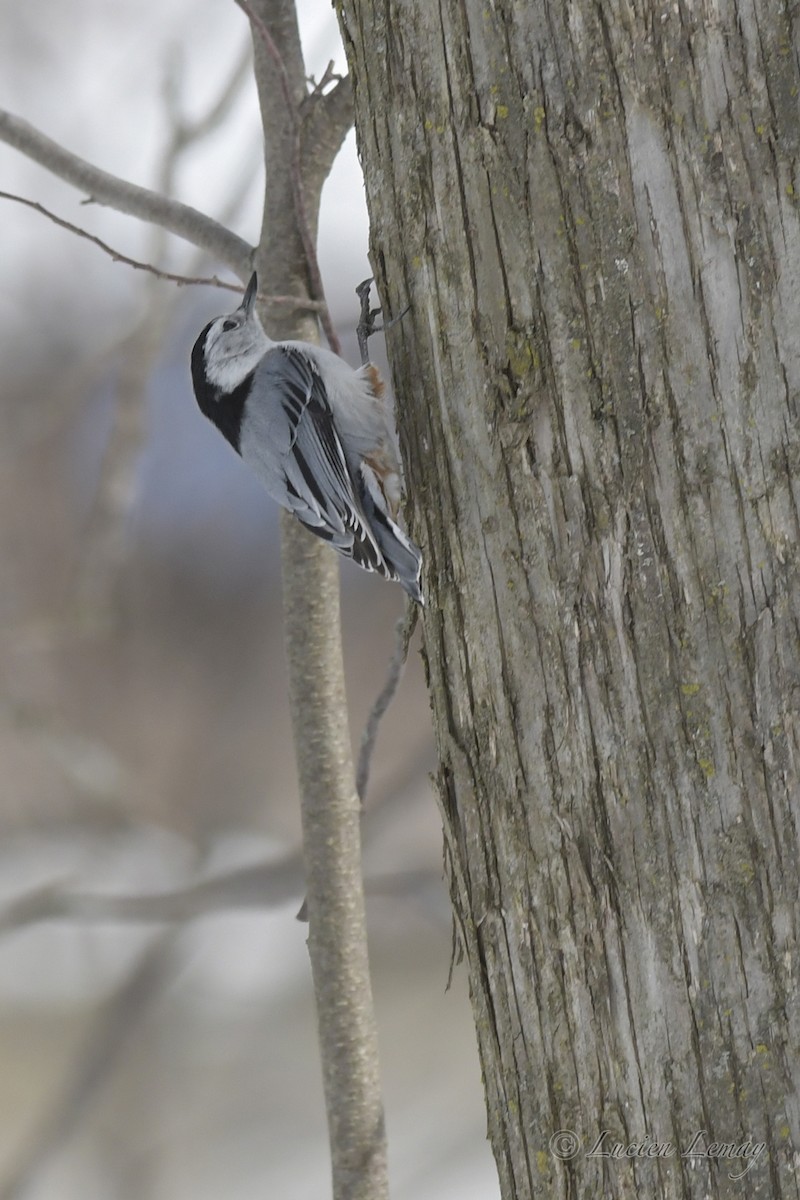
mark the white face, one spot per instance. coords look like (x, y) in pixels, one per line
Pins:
(234, 345)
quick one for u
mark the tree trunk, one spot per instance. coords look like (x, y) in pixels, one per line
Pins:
(592, 212)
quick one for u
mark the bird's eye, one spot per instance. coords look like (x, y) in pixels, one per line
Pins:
(228, 325)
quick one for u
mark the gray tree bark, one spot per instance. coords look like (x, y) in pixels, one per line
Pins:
(592, 211)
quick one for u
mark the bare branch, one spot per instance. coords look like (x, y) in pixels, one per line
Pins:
(168, 276)
(260, 886)
(257, 886)
(330, 808)
(298, 189)
(274, 53)
(404, 630)
(186, 131)
(103, 188)
(331, 813)
(117, 255)
(326, 120)
(330, 75)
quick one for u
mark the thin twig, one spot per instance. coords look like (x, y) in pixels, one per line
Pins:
(181, 219)
(169, 276)
(404, 628)
(261, 886)
(184, 130)
(403, 632)
(318, 89)
(301, 208)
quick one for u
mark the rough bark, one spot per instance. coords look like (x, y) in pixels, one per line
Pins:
(592, 211)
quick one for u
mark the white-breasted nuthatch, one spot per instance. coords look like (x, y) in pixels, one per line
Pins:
(314, 431)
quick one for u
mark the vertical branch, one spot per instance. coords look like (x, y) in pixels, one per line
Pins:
(300, 206)
(331, 813)
(329, 803)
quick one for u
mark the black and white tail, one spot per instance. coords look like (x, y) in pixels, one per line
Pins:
(402, 560)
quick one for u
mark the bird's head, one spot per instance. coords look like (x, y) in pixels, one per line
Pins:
(230, 347)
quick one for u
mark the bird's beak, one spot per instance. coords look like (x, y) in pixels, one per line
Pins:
(250, 294)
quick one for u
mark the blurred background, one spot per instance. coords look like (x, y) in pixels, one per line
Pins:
(157, 1032)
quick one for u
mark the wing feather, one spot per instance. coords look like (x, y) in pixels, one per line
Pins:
(307, 469)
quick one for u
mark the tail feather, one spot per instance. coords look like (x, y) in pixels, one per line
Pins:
(378, 543)
(402, 558)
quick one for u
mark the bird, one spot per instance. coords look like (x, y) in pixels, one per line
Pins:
(315, 432)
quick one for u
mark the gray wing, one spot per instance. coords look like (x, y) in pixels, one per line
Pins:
(289, 438)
